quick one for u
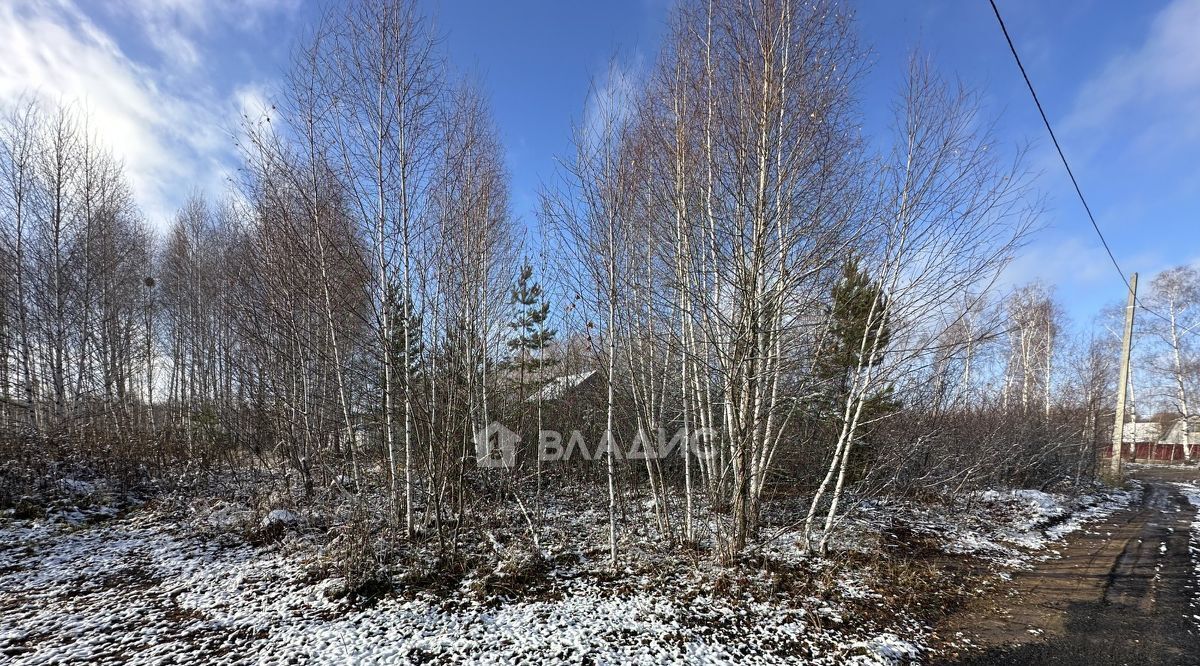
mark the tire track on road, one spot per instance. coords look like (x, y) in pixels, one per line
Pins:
(1119, 594)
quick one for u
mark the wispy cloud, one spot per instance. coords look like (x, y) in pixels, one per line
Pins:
(612, 100)
(1132, 134)
(1070, 262)
(1147, 98)
(170, 129)
(174, 27)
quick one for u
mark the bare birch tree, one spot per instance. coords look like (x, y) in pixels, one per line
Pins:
(952, 212)
(1175, 295)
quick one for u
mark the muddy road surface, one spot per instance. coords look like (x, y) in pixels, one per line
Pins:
(1123, 592)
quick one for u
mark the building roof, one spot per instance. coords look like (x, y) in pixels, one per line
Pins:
(1142, 431)
(558, 387)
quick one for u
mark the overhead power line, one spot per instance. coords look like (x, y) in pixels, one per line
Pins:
(1067, 165)
(1057, 147)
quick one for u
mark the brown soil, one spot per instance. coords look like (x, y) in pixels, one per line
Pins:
(1121, 593)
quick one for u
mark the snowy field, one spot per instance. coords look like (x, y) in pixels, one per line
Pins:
(148, 588)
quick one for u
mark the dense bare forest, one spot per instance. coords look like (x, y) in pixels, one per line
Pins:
(731, 302)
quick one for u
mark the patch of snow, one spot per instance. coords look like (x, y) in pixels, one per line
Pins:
(886, 649)
(220, 515)
(143, 591)
(281, 517)
(1013, 523)
(1192, 492)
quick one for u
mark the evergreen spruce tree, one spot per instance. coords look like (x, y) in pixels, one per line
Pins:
(416, 343)
(531, 335)
(852, 319)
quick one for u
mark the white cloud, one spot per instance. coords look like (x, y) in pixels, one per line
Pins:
(174, 26)
(252, 100)
(1071, 261)
(611, 101)
(1132, 135)
(172, 136)
(1151, 95)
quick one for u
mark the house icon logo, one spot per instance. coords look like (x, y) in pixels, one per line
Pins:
(496, 446)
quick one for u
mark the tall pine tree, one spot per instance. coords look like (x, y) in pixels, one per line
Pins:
(531, 335)
(857, 303)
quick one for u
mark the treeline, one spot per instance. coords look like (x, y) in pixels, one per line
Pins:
(72, 266)
(723, 256)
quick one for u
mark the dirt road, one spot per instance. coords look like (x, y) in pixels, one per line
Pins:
(1123, 592)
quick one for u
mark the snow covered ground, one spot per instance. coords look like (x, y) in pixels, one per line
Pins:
(1022, 525)
(149, 588)
(1012, 528)
(1192, 492)
(137, 590)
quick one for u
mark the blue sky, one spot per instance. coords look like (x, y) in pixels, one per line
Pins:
(165, 80)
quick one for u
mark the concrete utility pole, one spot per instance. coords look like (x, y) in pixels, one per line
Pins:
(1123, 380)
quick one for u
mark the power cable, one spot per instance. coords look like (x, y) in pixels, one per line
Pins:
(1062, 156)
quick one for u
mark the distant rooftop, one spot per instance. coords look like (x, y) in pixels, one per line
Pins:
(559, 386)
